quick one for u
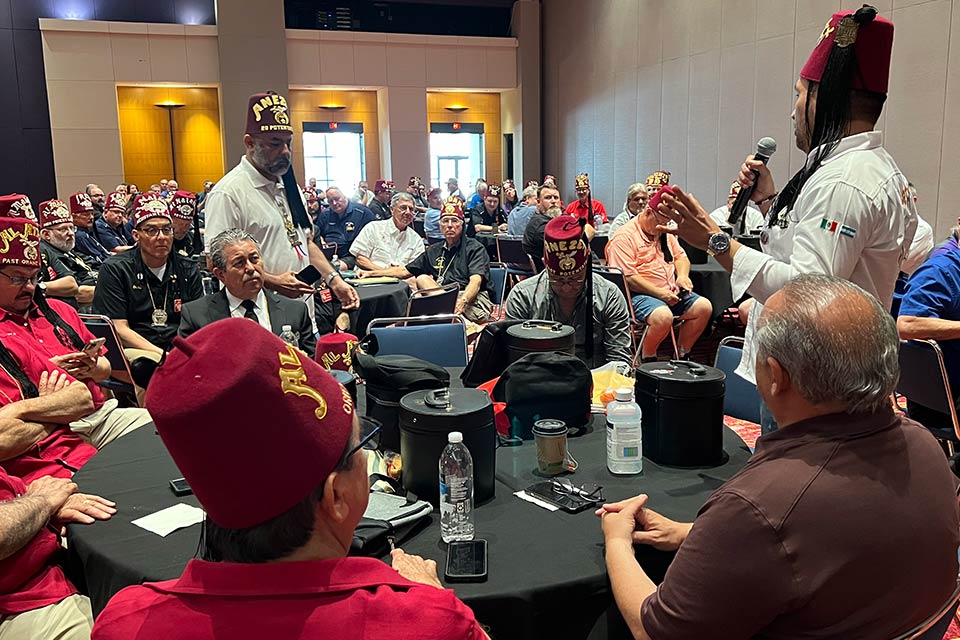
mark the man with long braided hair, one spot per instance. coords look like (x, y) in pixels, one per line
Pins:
(848, 212)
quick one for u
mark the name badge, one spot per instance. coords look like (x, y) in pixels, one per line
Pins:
(177, 304)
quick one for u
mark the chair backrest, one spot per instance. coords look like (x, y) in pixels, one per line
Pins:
(431, 302)
(441, 340)
(936, 625)
(329, 250)
(510, 250)
(418, 227)
(498, 280)
(923, 378)
(740, 399)
(102, 327)
(614, 275)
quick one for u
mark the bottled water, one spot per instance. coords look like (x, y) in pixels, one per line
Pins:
(456, 490)
(287, 335)
(624, 435)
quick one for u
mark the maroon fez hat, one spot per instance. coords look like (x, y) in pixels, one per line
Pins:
(564, 251)
(17, 205)
(147, 206)
(183, 205)
(267, 113)
(335, 350)
(872, 42)
(54, 212)
(20, 247)
(80, 203)
(211, 401)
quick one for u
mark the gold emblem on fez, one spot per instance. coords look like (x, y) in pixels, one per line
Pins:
(566, 260)
(846, 32)
(30, 251)
(827, 30)
(280, 114)
(292, 380)
(155, 206)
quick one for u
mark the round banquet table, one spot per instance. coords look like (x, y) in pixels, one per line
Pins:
(489, 241)
(376, 301)
(547, 577)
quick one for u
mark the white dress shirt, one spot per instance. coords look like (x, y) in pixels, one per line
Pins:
(920, 248)
(382, 243)
(237, 310)
(854, 218)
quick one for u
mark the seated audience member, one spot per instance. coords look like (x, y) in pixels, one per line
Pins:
(488, 216)
(57, 238)
(431, 219)
(656, 181)
(752, 217)
(17, 205)
(520, 215)
(155, 188)
(172, 188)
(202, 197)
(341, 222)
(416, 189)
(389, 243)
(559, 294)
(580, 208)
(95, 193)
(846, 499)
(508, 197)
(453, 189)
(635, 203)
(930, 310)
(313, 205)
(86, 243)
(236, 261)
(458, 259)
(273, 560)
(110, 226)
(363, 195)
(548, 208)
(143, 290)
(382, 192)
(480, 192)
(36, 598)
(658, 275)
(183, 208)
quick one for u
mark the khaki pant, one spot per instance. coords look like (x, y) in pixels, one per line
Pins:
(69, 619)
(480, 310)
(108, 423)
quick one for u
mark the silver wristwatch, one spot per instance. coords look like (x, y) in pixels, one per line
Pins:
(327, 279)
(718, 243)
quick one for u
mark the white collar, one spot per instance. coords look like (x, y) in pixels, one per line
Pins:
(857, 142)
(234, 302)
(257, 178)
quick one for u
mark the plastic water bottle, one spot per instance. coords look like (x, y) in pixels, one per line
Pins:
(624, 435)
(456, 490)
(286, 334)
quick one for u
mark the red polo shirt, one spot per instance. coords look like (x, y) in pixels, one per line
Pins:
(355, 598)
(29, 579)
(60, 453)
(34, 329)
(576, 208)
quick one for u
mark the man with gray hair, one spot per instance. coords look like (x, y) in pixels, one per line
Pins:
(341, 222)
(389, 243)
(237, 263)
(849, 510)
(520, 215)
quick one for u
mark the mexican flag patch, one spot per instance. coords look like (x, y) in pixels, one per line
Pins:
(834, 226)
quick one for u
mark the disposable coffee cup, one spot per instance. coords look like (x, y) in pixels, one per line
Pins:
(550, 438)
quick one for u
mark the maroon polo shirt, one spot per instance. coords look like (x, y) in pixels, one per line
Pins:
(841, 526)
(355, 598)
(34, 329)
(29, 579)
(59, 454)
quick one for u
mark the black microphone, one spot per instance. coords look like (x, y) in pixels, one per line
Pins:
(766, 147)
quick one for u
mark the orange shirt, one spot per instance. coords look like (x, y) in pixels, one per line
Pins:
(632, 250)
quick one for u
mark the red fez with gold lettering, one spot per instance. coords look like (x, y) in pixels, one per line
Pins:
(183, 205)
(582, 181)
(564, 251)
(452, 207)
(383, 185)
(335, 350)
(147, 206)
(17, 205)
(494, 190)
(508, 184)
(210, 401)
(20, 242)
(115, 200)
(267, 113)
(872, 42)
(658, 179)
(80, 203)
(54, 212)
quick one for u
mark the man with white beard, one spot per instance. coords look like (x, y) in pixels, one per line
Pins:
(60, 263)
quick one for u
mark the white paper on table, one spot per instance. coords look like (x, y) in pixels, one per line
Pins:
(523, 495)
(166, 521)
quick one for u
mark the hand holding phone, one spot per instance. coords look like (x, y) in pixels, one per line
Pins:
(309, 275)
(92, 348)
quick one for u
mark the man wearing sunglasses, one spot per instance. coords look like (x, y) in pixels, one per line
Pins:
(273, 559)
(142, 290)
(559, 293)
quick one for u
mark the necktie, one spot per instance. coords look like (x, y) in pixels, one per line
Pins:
(248, 312)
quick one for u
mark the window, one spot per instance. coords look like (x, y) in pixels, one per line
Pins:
(333, 154)
(456, 152)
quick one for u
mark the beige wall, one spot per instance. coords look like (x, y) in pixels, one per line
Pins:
(85, 61)
(631, 86)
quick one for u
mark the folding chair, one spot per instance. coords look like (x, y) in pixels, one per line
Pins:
(102, 327)
(936, 625)
(498, 280)
(638, 329)
(510, 252)
(740, 400)
(924, 381)
(440, 339)
(430, 302)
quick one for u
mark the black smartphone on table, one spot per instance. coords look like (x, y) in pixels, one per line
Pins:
(466, 561)
(180, 487)
(309, 274)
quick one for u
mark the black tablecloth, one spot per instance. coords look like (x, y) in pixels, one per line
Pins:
(546, 571)
(378, 301)
(489, 241)
(712, 282)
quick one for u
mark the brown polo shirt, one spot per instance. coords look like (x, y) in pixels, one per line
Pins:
(841, 526)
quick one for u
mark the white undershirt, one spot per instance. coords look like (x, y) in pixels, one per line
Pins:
(159, 271)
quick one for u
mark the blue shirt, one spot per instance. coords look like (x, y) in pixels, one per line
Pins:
(111, 238)
(474, 201)
(88, 246)
(431, 223)
(518, 218)
(946, 246)
(343, 229)
(933, 291)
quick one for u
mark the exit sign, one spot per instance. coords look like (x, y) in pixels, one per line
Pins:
(456, 126)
